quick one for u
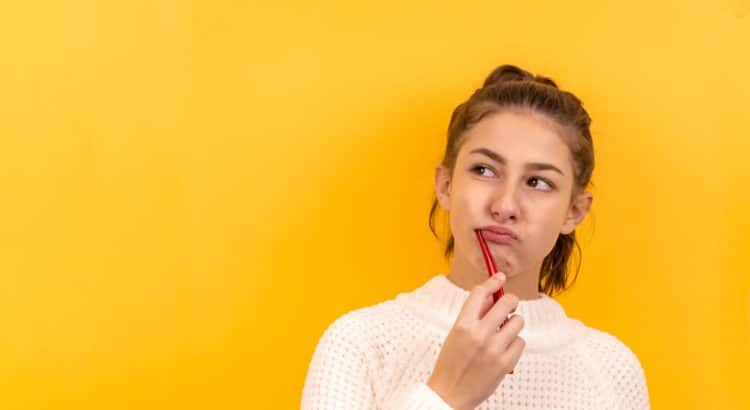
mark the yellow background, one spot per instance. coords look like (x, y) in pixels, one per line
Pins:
(193, 191)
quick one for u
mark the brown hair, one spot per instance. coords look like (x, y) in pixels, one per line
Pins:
(511, 88)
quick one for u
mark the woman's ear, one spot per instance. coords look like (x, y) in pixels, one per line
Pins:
(578, 210)
(442, 187)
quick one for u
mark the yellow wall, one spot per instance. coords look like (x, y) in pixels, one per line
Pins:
(193, 191)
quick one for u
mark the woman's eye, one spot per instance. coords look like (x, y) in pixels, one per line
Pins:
(478, 169)
(543, 181)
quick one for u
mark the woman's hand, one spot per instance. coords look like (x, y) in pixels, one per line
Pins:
(476, 356)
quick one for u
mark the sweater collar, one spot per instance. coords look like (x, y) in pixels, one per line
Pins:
(545, 323)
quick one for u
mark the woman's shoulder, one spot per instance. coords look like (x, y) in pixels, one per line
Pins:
(613, 359)
(361, 324)
(606, 345)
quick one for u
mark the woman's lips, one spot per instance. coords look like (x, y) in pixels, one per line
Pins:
(503, 239)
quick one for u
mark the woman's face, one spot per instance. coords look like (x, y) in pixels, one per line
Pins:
(513, 171)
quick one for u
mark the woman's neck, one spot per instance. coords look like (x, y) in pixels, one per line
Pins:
(525, 285)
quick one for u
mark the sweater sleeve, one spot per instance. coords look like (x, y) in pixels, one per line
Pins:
(622, 367)
(630, 383)
(418, 396)
(339, 375)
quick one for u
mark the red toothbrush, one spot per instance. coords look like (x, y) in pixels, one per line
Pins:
(489, 262)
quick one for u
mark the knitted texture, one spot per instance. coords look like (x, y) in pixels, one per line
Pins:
(381, 356)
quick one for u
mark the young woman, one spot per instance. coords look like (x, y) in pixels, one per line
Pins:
(517, 163)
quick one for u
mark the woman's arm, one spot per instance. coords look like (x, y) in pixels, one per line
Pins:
(339, 375)
(630, 382)
(621, 367)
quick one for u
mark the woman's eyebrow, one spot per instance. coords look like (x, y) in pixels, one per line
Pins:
(540, 166)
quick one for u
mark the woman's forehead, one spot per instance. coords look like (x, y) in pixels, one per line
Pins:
(519, 127)
(518, 138)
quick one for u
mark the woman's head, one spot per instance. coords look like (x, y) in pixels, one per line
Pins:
(519, 155)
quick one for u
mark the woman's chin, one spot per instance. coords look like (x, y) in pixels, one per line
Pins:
(501, 264)
(506, 267)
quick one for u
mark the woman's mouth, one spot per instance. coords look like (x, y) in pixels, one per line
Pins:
(498, 238)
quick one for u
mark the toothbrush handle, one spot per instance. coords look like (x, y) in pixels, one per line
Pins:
(491, 270)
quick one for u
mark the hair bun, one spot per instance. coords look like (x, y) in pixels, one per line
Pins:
(509, 72)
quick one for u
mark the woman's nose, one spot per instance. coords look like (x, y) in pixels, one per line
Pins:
(505, 205)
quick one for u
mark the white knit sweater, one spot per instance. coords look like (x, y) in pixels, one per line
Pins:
(380, 357)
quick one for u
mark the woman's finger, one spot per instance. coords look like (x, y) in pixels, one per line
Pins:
(480, 298)
(499, 312)
(502, 338)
